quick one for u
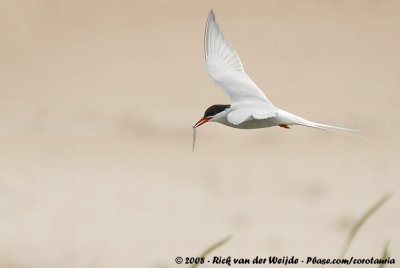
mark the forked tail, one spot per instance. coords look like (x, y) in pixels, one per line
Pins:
(303, 122)
(330, 128)
(349, 131)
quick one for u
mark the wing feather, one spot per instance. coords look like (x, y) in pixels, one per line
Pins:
(239, 116)
(226, 70)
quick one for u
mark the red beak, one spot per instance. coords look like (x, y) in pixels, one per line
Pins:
(201, 121)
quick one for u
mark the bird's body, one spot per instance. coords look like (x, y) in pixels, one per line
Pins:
(249, 108)
(281, 118)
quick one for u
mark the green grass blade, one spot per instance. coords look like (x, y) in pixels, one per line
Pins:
(385, 254)
(212, 248)
(361, 222)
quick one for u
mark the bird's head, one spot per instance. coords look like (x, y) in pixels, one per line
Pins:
(211, 112)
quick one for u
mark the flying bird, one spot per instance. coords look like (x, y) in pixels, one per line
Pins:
(249, 107)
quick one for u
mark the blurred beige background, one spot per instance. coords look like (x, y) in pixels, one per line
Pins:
(97, 99)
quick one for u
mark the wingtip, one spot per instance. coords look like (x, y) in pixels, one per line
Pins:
(210, 21)
(211, 15)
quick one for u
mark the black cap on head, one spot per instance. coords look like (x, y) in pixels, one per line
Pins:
(215, 109)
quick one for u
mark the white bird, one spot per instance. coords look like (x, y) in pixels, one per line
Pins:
(249, 107)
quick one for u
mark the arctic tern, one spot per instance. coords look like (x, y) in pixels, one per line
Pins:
(249, 108)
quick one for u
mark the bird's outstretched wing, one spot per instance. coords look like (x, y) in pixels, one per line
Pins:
(226, 70)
